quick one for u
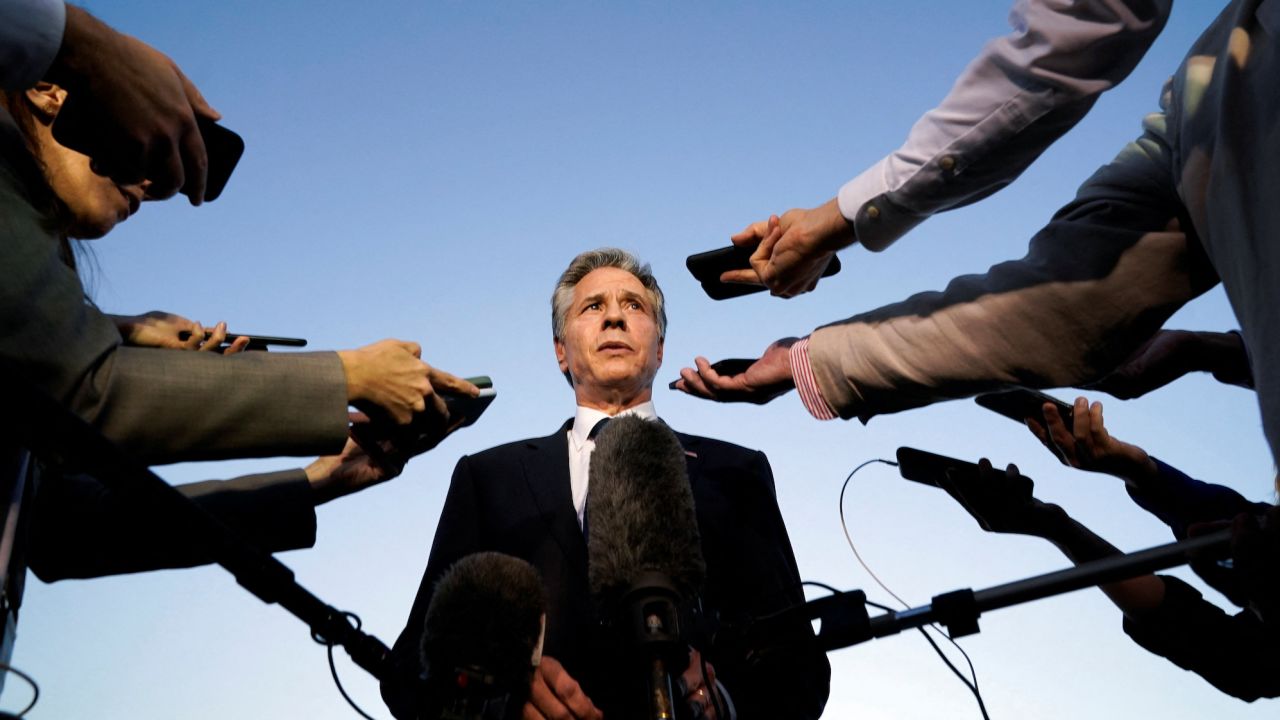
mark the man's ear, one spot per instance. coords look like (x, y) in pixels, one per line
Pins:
(560, 355)
(46, 100)
(661, 343)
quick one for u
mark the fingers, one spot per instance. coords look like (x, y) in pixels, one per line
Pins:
(414, 348)
(199, 105)
(753, 233)
(237, 345)
(746, 276)
(217, 336)
(1061, 440)
(555, 695)
(196, 338)
(443, 381)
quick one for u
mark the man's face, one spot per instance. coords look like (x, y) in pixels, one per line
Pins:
(611, 346)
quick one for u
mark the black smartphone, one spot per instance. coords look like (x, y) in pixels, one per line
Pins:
(729, 366)
(256, 342)
(927, 468)
(1020, 404)
(467, 408)
(707, 267)
(224, 149)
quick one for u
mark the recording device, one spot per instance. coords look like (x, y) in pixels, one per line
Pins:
(256, 342)
(927, 468)
(1020, 404)
(727, 367)
(644, 553)
(482, 639)
(708, 266)
(77, 128)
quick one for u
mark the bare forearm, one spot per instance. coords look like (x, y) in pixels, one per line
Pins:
(1082, 545)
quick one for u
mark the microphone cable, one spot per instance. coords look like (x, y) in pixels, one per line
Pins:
(333, 668)
(970, 682)
(35, 691)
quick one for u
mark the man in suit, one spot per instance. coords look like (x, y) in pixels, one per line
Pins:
(528, 499)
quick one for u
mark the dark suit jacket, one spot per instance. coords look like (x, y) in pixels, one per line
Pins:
(515, 499)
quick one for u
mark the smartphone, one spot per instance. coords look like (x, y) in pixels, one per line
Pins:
(927, 468)
(1020, 404)
(469, 409)
(730, 366)
(224, 149)
(256, 342)
(707, 267)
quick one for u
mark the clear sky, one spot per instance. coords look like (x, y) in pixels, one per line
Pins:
(424, 170)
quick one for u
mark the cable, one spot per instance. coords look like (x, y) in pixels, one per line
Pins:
(972, 681)
(35, 688)
(333, 668)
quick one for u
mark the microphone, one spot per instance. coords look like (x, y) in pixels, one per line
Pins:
(482, 638)
(644, 554)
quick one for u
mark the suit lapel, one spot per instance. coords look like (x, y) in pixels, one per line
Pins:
(693, 461)
(546, 471)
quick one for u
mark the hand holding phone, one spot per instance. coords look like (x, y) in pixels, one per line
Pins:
(708, 266)
(256, 342)
(1021, 403)
(1000, 501)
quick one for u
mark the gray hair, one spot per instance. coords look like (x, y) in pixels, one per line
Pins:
(582, 265)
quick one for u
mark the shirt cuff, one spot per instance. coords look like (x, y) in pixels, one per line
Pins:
(30, 36)
(806, 384)
(877, 222)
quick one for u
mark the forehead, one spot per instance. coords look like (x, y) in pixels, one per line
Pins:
(607, 280)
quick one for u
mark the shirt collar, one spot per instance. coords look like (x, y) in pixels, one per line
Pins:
(588, 417)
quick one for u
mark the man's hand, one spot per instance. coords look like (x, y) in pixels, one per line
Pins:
(158, 329)
(701, 697)
(1088, 445)
(555, 695)
(792, 251)
(1002, 502)
(1170, 354)
(350, 471)
(764, 380)
(391, 377)
(1255, 552)
(130, 109)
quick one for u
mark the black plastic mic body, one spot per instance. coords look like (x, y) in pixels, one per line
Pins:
(654, 630)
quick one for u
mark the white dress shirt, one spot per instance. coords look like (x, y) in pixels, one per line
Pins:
(580, 448)
(1019, 95)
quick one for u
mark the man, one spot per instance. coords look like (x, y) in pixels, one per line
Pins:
(528, 499)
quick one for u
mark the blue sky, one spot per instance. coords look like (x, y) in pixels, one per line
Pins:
(424, 170)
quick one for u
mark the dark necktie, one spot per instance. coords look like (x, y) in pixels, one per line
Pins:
(586, 514)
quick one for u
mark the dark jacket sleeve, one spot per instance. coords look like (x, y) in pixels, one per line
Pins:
(456, 536)
(80, 528)
(758, 576)
(1235, 653)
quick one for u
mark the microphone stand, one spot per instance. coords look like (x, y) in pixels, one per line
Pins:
(46, 428)
(845, 622)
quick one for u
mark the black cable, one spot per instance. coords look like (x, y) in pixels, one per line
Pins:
(973, 673)
(35, 688)
(333, 668)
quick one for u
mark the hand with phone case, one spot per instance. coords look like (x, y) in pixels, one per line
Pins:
(160, 329)
(792, 252)
(740, 379)
(1001, 502)
(1087, 444)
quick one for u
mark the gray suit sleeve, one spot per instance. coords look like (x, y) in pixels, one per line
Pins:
(159, 405)
(82, 528)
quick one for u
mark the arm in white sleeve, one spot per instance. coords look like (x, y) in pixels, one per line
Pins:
(30, 35)
(1022, 92)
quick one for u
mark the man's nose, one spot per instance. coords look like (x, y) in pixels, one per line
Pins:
(613, 315)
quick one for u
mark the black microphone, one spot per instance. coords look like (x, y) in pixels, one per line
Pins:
(482, 639)
(644, 555)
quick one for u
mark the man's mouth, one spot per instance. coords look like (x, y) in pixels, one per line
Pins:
(613, 346)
